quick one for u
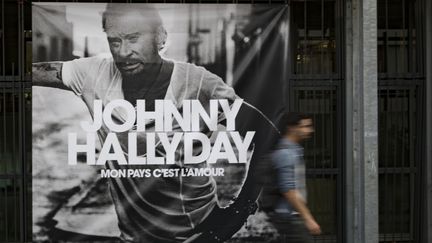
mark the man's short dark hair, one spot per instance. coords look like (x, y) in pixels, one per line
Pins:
(291, 119)
(146, 10)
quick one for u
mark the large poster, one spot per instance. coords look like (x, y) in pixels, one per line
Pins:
(149, 121)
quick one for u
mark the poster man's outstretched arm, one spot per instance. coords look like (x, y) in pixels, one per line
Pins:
(48, 74)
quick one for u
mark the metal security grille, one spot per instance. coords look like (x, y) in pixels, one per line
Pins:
(315, 37)
(322, 156)
(400, 107)
(316, 45)
(15, 124)
(15, 171)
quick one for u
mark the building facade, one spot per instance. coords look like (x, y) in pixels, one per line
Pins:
(362, 68)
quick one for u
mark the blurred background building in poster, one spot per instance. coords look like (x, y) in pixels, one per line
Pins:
(202, 34)
(53, 39)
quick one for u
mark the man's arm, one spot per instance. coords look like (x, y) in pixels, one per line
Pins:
(296, 201)
(48, 74)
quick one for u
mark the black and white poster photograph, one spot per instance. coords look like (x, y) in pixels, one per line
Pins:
(150, 121)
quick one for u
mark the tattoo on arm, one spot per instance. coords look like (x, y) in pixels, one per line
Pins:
(49, 67)
(48, 74)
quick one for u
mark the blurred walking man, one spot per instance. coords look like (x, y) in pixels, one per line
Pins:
(291, 216)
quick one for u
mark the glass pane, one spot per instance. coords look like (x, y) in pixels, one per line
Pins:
(9, 135)
(397, 142)
(395, 207)
(9, 210)
(320, 150)
(313, 31)
(322, 203)
(396, 127)
(11, 40)
(397, 37)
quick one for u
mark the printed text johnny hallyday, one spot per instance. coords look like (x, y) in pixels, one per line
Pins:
(227, 144)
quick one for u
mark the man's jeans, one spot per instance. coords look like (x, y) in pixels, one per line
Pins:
(291, 228)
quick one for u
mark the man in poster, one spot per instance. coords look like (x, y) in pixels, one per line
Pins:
(156, 209)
